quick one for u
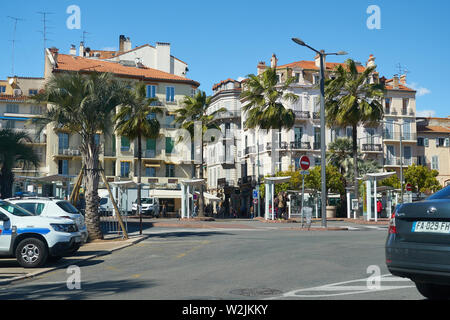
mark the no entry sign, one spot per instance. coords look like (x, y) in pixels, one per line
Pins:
(408, 187)
(305, 163)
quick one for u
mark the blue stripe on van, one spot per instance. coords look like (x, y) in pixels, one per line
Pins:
(27, 230)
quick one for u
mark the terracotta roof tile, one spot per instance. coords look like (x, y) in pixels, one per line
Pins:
(72, 63)
(430, 129)
(311, 65)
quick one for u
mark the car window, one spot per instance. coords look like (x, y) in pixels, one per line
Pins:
(103, 201)
(39, 208)
(442, 194)
(15, 210)
(147, 201)
(29, 206)
(67, 207)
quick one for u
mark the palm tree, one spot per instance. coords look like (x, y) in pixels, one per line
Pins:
(264, 96)
(14, 150)
(135, 121)
(196, 111)
(351, 100)
(340, 154)
(84, 104)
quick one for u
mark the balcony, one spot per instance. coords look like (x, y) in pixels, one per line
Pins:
(66, 152)
(298, 145)
(396, 161)
(316, 115)
(394, 135)
(249, 150)
(372, 148)
(245, 180)
(146, 154)
(302, 115)
(228, 115)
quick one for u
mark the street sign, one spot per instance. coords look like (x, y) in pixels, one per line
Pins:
(255, 194)
(304, 172)
(409, 187)
(304, 163)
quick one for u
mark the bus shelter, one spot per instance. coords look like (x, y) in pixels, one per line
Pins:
(187, 196)
(269, 196)
(372, 190)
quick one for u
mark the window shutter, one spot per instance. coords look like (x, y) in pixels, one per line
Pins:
(447, 142)
(426, 141)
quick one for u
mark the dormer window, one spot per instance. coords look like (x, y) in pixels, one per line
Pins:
(32, 92)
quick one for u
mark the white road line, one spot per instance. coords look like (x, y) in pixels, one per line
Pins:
(348, 290)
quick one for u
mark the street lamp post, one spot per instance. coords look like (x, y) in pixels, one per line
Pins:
(323, 146)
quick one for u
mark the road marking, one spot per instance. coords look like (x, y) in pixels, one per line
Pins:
(192, 249)
(344, 289)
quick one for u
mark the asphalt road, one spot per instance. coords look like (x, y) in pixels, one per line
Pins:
(232, 264)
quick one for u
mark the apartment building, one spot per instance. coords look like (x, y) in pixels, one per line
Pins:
(165, 163)
(380, 143)
(223, 171)
(433, 146)
(16, 108)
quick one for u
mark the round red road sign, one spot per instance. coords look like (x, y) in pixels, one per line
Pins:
(304, 162)
(408, 187)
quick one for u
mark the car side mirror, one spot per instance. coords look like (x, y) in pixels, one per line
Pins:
(3, 217)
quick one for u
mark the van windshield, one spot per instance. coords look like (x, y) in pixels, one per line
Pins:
(146, 201)
(15, 210)
(67, 207)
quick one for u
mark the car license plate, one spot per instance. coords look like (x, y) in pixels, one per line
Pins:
(431, 226)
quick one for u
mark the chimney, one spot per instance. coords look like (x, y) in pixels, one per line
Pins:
(371, 61)
(124, 43)
(317, 60)
(54, 52)
(403, 79)
(395, 82)
(273, 61)
(81, 52)
(261, 67)
(163, 56)
(73, 50)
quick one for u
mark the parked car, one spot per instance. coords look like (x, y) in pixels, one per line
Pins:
(49, 207)
(31, 239)
(418, 244)
(150, 206)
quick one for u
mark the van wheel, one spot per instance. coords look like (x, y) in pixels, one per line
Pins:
(433, 291)
(31, 253)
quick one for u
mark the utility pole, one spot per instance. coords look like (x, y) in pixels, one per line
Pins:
(14, 42)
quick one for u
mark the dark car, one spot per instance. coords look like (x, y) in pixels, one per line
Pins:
(418, 244)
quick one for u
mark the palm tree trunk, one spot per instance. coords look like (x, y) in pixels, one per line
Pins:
(92, 178)
(355, 165)
(139, 183)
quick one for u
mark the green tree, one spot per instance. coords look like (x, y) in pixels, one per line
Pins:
(84, 104)
(351, 100)
(196, 111)
(393, 181)
(134, 121)
(14, 151)
(263, 98)
(295, 183)
(334, 179)
(422, 179)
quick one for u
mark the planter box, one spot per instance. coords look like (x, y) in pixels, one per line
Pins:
(331, 211)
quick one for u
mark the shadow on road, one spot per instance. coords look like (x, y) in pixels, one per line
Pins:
(185, 234)
(89, 290)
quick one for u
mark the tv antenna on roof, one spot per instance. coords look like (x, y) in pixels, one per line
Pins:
(45, 26)
(402, 70)
(14, 41)
(83, 37)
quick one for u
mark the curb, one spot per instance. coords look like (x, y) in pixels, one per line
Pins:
(95, 255)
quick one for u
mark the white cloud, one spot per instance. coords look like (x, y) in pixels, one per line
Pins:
(421, 91)
(240, 79)
(425, 113)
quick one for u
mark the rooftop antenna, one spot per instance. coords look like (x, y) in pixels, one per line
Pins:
(83, 37)
(14, 41)
(45, 27)
(402, 70)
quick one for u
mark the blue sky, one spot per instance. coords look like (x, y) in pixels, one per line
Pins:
(226, 39)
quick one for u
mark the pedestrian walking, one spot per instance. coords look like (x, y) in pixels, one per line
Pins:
(252, 212)
(379, 208)
(164, 210)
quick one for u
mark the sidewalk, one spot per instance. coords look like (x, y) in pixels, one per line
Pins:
(11, 271)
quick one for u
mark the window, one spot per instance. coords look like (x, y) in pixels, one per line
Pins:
(421, 160)
(15, 210)
(36, 110)
(63, 167)
(151, 91)
(435, 163)
(63, 141)
(12, 108)
(2, 89)
(297, 77)
(170, 121)
(426, 142)
(193, 92)
(32, 92)
(420, 142)
(125, 144)
(150, 172)
(442, 142)
(387, 104)
(316, 79)
(67, 207)
(170, 94)
(405, 106)
(169, 145)
(10, 124)
(124, 169)
(317, 161)
(170, 170)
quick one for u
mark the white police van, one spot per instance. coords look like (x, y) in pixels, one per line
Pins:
(33, 239)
